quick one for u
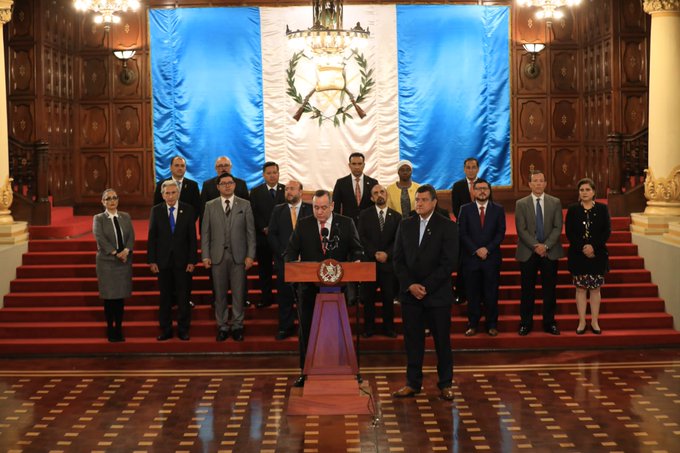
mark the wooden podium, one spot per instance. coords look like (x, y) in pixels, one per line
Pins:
(331, 366)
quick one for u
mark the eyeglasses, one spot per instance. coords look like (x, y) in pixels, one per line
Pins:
(112, 198)
(222, 165)
(228, 183)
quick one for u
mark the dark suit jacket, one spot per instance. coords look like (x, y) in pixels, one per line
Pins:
(473, 236)
(374, 240)
(460, 195)
(189, 194)
(163, 244)
(281, 228)
(430, 263)
(305, 242)
(346, 202)
(263, 204)
(209, 190)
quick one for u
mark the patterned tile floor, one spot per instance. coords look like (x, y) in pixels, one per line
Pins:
(587, 401)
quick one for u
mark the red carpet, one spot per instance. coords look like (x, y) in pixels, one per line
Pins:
(53, 307)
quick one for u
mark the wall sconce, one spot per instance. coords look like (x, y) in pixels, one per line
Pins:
(532, 70)
(127, 76)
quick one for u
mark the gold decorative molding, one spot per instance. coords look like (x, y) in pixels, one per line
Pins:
(656, 6)
(6, 198)
(663, 193)
(6, 11)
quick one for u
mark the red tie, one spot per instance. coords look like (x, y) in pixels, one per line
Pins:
(481, 215)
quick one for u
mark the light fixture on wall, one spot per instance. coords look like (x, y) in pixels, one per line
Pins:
(531, 69)
(549, 9)
(127, 76)
(105, 10)
(326, 36)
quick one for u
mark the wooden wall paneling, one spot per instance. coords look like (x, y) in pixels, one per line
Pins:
(133, 89)
(95, 172)
(128, 174)
(606, 52)
(21, 71)
(48, 63)
(564, 73)
(564, 119)
(565, 167)
(128, 33)
(634, 112)
(532, 120)
(564, 30)
(526, 85)
(21, 25)
(92, 36)
(527, 27)
(633, 63)
(128, 122)
(632, 17)
(530, 158)
(94, 125)
(22, 120)
(94, 78)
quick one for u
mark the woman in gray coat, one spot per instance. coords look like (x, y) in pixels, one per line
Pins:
(115, 238)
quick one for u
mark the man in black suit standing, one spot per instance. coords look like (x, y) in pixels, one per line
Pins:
(425, 255)
(283, 220)
(377, 229)
(324, 235)
(209, 189)
(481, 225)
(188, 188)
(352, 193)
(263, 198)
(462, 191)
(172, 254)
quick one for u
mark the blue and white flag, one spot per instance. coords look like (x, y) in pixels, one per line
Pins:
(440, 93)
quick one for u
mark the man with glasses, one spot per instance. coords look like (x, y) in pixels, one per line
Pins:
(228, 249)
(209, 189)
(481, 225)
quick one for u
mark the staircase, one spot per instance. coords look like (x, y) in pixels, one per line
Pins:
(53, 308)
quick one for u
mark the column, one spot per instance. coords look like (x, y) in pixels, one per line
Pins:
(662, 183)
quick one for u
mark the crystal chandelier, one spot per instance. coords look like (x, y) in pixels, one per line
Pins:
(106, 9)
(549, 8)
(326, 36)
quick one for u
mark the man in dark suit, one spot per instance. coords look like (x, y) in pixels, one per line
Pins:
(481, 225)
(377, 229)
(172, 254)
(538, 218)
(283, 220)
(306, 244)
(209, 189)
(263, 198)
(425, 255)
(462, 191)
(188, 188)
(352, 193)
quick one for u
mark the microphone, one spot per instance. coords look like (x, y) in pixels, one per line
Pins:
(324, 239)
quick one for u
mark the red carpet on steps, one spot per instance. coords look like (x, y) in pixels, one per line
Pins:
(53, 306)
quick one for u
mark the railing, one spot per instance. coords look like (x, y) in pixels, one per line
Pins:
(628, 159)
(29, 166)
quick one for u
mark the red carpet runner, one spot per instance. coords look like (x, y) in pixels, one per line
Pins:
(53, 308)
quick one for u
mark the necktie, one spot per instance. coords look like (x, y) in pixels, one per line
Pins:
(172, 219)
(293, 216)
(357, 191)
(481, 215)
(272, 192)
(472, 192)
(227, 209)
(119, 235)
(539, 221)
(323, 245)
(381, 219)
(179, 185)
(423, 225)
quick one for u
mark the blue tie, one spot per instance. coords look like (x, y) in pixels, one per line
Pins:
(172, 219)
(539, 221)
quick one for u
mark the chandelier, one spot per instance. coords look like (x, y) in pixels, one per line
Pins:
(549, 8)
(106, 9)
(326, 36)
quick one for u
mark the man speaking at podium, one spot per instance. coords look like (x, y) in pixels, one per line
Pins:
(325, 235)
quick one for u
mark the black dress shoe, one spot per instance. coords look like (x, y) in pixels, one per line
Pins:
(300, 381)
(596, 331)
(222, 335)
(552, 330)
(183, 336)
(283, 334)
(580, 331)
(237, 334)
(523, 331)
(164, 336)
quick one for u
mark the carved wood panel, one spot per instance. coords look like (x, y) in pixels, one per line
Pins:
(532, 125)
(133, 89)
(48, 65)
(128, 126)
(526, 84)
(128, 33)
(95, 168)
(21, 24)
(94, 77)
(92, 36)
(128, 173)
(565, 167)
(634, 19)
(527, 27)
(563, 29)
(530, 159)
(21, 124)
(21, 70)
(634, 112)
(633, 63)
(564, 71)
(607, 64)
(94, 125)
(564, 119)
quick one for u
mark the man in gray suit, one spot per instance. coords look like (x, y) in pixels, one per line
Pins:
(538, 218)
(228, 248)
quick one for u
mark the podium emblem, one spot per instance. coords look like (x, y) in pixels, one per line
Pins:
(330, 272)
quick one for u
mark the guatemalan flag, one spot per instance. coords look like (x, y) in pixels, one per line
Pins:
(439, 92)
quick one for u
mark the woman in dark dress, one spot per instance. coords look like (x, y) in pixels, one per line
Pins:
(115, 238)
(588, 227)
